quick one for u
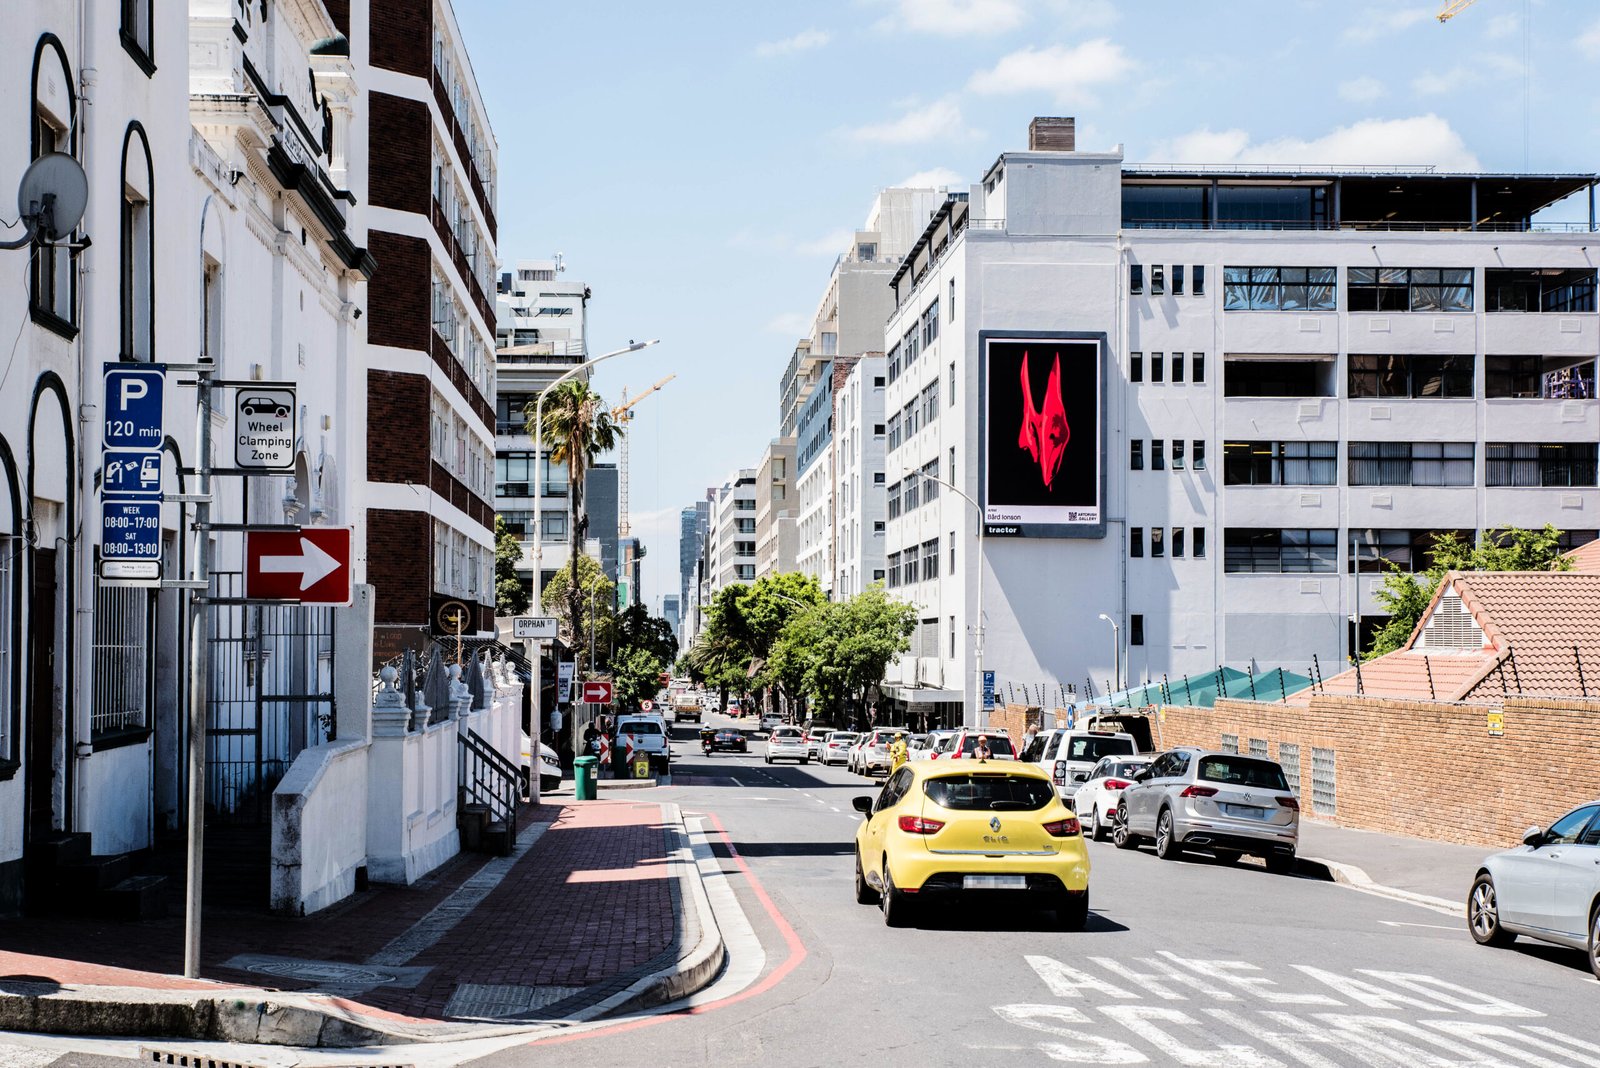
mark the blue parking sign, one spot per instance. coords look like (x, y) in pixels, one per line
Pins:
(133, 405)
(130, 539)
(988, 689)
(130, 473)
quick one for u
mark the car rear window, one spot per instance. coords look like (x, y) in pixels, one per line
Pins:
(997, 746)
(841, 736)
(986, 792)
(1242, 771)
(1094, 747)
(640, 726)
(1128, 768)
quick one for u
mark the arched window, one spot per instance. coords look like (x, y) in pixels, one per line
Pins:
(138, 33)
(52, 282)
(138, 247)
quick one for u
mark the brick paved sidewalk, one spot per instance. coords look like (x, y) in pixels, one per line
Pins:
(592, 904)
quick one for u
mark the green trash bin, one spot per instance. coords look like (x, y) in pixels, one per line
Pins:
(584, 774)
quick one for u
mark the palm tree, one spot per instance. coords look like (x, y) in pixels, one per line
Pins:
(577, 428)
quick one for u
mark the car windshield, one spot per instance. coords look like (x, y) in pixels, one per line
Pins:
(1095, 746)
(997, 746)
(1243, 771)
(988, 792)
(640, 726)
(841, 737)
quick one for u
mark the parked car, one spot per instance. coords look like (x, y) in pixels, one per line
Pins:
(958, 830)
(1095, 800)
(965, 740)
(853, 756)
(549, 766)
(816, 734)
(648, 734)
(787, 743)
(836, 747)
(729, 740)
(1547, 888)
(930, 744)
(874, 757)
(1225, 802)
(770, 721)
(1068, 756)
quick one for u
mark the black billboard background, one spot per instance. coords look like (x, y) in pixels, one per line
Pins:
(1014, 476)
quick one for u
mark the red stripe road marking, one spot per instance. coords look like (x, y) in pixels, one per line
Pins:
(797, 953)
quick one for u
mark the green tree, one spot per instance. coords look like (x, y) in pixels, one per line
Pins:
(744, 622)
(510, 595)
(636, 675)
(638, 629)
(837, 652)
(594, 590)
(1406, 596)
(577, 428)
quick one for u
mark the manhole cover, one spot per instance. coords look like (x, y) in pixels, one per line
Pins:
(317, 971)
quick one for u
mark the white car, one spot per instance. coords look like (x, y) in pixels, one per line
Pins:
(1095, 801)
(787, 743)
(1068, 756)
(836, 747)
(875, 750)
(771, 721)
(1545, 889)
(549, 766)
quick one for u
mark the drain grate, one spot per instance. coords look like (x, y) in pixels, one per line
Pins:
(180, 1059)
(488, 1001)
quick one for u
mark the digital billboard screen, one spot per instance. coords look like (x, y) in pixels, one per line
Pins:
(1044, 469)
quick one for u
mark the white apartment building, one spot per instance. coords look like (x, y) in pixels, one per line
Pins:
(775, 509)
(858, 472)
(730, 557)
(1209, 403)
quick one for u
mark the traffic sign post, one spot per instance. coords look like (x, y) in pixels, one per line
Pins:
(306, 566)
(264, 427)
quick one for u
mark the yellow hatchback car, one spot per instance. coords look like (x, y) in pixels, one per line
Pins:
(953, 828)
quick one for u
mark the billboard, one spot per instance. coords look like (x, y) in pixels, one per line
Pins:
(1043, 411)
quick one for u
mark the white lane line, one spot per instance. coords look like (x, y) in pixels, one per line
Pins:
(1431, 926)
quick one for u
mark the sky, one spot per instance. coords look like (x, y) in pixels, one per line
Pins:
(701, 164)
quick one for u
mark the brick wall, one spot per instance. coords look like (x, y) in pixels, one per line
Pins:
(1424, 769)
(402, 36)
(399, 559)
(399, 168)
(399, 297)
(339, 12)
(398, 427)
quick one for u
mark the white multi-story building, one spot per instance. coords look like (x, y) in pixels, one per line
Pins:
(1210, 403)
(775, 511)
(730, 556)
(858, 477)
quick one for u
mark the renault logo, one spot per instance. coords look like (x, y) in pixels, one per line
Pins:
(994, 823)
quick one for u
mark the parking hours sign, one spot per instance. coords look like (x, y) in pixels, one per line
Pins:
(263, 436)
(130, 473)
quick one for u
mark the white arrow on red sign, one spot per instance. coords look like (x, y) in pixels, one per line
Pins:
(597, 693)
(311, 564)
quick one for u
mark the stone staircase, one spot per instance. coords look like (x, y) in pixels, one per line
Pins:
(61, 875)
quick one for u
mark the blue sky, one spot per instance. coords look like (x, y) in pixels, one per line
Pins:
(700, 164)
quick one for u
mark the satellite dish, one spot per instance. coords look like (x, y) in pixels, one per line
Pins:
(52, 196)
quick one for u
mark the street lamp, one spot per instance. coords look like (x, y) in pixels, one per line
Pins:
(538, 452)
(977, 652)
(1116, 641)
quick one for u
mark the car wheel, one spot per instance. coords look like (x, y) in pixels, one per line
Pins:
(769, 760)
(1097, 826)
(1121, 836)
(1072, 911)
(1167, 844)
(865, 894)
(896, 909)
(805, 760)
(549, 783)
(1280, 863)
(1483, 916)
(1594, 940)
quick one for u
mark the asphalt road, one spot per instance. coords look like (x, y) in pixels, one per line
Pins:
(1189, 963)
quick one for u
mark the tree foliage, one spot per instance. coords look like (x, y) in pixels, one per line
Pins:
(1406, 596)
(510, 595)
(743, 624)
(636, 675)
(837, 652)
(638, 629)
(560, 597)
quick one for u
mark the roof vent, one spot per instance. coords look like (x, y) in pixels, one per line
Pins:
(1451, 628)
(1052, 134)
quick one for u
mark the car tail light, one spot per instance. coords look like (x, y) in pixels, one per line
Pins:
(1117, 784)
(1060, 773)
(1289, 802)
(918, 825)
(1063, 828)
(1199, 791)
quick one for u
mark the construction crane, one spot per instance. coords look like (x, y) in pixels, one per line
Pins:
(1452, 8)
(623, 414)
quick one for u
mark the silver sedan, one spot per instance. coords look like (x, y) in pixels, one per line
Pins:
(1547, 888)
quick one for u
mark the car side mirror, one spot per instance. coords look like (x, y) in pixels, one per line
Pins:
(1141, 776)
(862, 805)
(1533, 837)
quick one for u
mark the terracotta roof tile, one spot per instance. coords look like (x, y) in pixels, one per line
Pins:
(1586, 557)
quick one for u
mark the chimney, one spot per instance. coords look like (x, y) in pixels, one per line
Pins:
(1052, 134)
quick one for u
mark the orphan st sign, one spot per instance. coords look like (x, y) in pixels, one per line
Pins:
(264, 430)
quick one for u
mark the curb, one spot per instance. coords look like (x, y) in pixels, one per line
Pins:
(1357, 879)
(323, 1021)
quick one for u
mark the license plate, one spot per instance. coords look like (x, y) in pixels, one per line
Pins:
(994, 882)
(1247, 812)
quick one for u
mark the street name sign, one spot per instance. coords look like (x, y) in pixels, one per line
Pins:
(597, 693)
(263, 427)
(536, 628)
(130, 472)
(306, 566)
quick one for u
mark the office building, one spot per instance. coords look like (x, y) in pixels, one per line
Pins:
(776, 536)
(858, 477)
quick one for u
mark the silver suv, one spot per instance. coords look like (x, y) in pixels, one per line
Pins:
(1223, 802)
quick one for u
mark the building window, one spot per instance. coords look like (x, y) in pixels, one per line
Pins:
(1548, 290)
(952, 313)
(894, 501)
(952, 544)
(1198, 542)
(952, 625)
(1177, 543)
(1410, 376)
(1177, 367)
(1540, 464)
(1136, 629)
(930, 487)
(1274, 376)
(1158, 367)
(1158, 285)
(1279, 288)
(877, 478)
(52, 281)
(1199, 450)
(1280, 463)
(1158, 454)
(1135, 367)
(877, 526)
(1177, 283)
(10, 615)
(1543, 377)
(952, 388)
(877, 574)
(121, 660)
(930, 324)
(1135, 278)
(1378, 551)
(894, 571)
(1158, 546)
(1199, 287)
(930, 559)
(877, 381)
(950, 475)
(1416, 289)
(137, 29)
(1136, 542)
(1177, 454)
(911, 493)
(1136, 454)
(553, 527)
(1198, 365)
(930, 403)
(910, 571)
(894, 432)
(1411, 463)
(1265, 551)
(137, 253)
(892, 365)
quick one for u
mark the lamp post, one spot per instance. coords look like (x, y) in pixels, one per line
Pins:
(977, 652)
(1116, 642)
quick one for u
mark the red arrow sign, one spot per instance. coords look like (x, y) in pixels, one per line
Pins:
(597, 693)
(307, 566)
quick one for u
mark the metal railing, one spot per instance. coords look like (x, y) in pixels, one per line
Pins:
(484, 777)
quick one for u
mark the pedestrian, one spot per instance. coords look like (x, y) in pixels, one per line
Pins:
(897, 752)
(981, 751)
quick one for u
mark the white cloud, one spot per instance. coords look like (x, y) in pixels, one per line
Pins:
(1424, 139)
(940, 119)
(957, 18)
(794, 324)
(1067, 73)
(1589, 42)
(1503, 25)
(800, 42)
(934, 178)
(1438, 83)
(828, 245)
(1361, 90)
(1376, 23)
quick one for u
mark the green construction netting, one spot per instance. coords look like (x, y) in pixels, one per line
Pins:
(1202, 691)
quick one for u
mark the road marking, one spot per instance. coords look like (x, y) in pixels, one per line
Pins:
(1431, 926)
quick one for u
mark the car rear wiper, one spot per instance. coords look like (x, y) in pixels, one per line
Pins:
(1011, 806)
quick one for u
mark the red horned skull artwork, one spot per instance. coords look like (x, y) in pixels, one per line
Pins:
(1044, 428)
